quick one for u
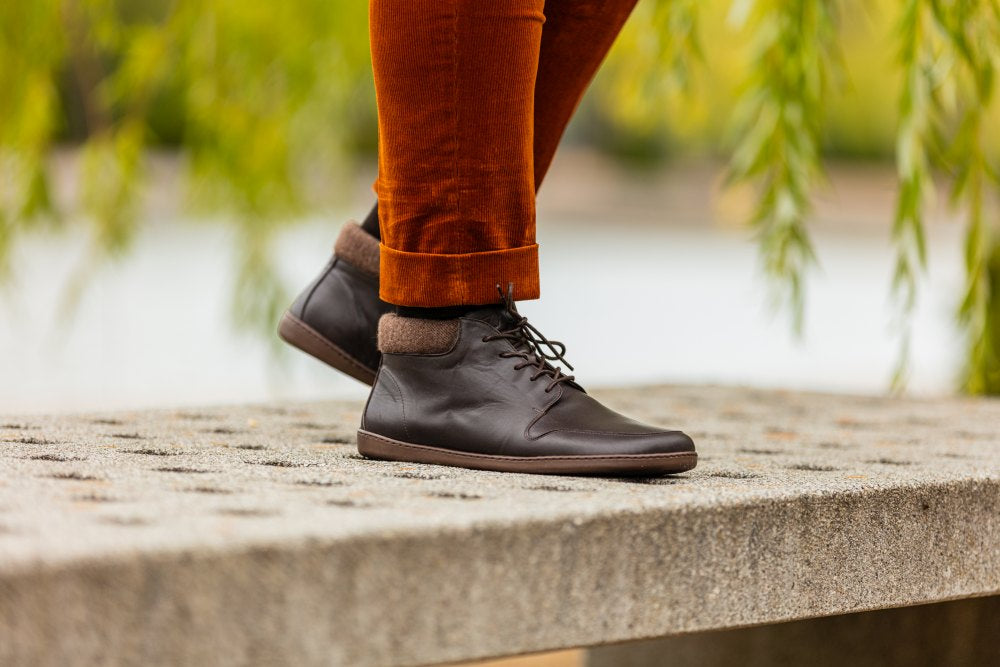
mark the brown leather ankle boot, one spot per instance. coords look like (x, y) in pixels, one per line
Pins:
(335, 319)
(480, 392)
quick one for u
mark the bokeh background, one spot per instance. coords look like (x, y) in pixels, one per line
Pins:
(773, 193)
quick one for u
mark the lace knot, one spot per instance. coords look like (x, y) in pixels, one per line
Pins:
(537, 350)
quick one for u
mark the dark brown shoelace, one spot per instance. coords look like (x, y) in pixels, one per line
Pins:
(530, 345)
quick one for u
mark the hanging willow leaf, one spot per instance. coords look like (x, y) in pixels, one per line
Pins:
(779, 122)
(31, 54)
(972, 31)
(256, 89)
(949, 54)
(253, 92)
(915, 138)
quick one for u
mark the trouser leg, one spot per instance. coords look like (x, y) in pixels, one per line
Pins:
(455, 86)
(575, 40)
(459, 246)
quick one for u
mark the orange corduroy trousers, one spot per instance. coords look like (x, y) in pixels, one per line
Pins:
(473, 97)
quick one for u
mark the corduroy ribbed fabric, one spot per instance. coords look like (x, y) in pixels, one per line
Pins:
(466, 135)
(576, 37)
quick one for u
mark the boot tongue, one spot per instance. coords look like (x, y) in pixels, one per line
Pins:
(502, 319)
(499, 318)
(495, 316)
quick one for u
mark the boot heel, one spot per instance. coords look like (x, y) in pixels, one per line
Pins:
(298, 334)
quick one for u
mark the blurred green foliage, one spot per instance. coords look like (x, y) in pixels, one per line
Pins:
(266, 100)
(253, 94)
(911, 80)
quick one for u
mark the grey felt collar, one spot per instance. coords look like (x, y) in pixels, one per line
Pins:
(411, 335)
(358, 248)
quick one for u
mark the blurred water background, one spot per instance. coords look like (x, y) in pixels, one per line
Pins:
(648, 276)
(173, 148)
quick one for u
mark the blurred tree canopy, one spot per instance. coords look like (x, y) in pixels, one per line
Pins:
(263, 99)
(259, 97)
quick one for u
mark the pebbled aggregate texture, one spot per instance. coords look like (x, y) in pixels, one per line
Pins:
(257, 534)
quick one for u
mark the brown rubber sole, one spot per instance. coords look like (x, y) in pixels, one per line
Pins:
(647, 465)
(297, 333)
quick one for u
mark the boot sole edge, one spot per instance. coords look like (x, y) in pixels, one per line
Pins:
(376, 446)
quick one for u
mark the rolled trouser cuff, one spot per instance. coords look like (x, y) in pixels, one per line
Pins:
(430, 280)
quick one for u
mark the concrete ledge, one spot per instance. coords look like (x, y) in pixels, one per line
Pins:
(257, 535)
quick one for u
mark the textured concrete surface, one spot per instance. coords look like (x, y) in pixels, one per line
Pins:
(959, 633)
(256, 535)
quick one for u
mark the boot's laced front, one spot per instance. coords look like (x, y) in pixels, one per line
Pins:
(530, 345)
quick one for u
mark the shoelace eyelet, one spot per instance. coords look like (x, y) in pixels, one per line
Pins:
(531, 344)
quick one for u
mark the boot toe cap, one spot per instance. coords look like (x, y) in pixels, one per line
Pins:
(591, 443)
(673, 441)
(659, 442)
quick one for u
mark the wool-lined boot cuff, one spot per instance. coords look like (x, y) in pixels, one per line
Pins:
(358, 248)
(412, 335)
